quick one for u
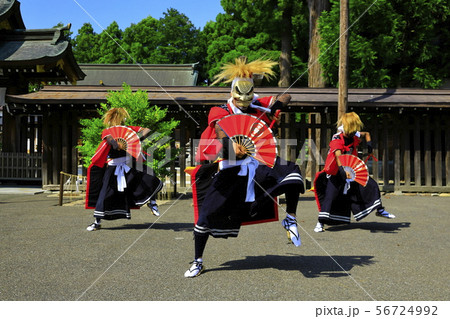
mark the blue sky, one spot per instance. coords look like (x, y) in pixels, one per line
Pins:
(100, 13)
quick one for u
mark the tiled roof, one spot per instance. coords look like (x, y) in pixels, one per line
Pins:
(10, 16)
(140, 74)
(198, 97)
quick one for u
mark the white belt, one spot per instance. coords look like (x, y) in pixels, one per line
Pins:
(347, 185)
(248, 167)
(121, 169)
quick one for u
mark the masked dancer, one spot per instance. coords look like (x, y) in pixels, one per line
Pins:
(231, 188)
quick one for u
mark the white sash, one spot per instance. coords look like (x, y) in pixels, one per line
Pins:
(121, 168)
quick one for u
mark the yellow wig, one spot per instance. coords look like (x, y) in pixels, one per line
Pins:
(351, 123)
(242, 69)
(115, 116)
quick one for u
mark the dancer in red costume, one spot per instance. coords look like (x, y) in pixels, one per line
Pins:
(114, 185)
(337, 197)
(230, 188)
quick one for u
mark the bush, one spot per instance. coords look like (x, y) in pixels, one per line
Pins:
(141, 114)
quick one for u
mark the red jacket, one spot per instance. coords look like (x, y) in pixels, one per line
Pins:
(338, 143)
(210, 146)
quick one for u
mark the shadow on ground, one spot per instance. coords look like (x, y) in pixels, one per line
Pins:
(373, 227)
(309, 266)
(157, 225)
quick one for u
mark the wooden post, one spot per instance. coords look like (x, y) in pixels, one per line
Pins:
(343, 59)
(61, 188)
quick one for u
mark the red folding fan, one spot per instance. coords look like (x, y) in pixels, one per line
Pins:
(356, 167)
(252, 133)
(125, 136)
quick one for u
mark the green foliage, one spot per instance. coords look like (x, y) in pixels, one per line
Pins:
(141, 41)
(141, 114)
(179, 39)
(110, 45)
(173, 39)
(252, 28)
(86, 45)
(393, 44)
(426, 79)
(33, 87)
(247, 28)
(91, 135)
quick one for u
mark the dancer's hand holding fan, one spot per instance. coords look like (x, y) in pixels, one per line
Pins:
(355, 168)
(252, 134)
(127, 139)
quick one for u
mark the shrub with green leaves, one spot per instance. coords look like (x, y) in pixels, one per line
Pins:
(157, 144)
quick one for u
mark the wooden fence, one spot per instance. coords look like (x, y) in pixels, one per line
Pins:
(20, 166)
(413, 150)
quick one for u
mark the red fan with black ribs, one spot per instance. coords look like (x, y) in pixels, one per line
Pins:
(356, 167)
(253, 134)
(126, 137)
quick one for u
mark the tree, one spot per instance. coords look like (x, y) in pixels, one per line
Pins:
(286, 44)
(315, 76)
(141, 114)
(85, 45)
(172, 39)
(179, 39)
(110, 45)
(141, 41)
(255, 29)
(393, 44)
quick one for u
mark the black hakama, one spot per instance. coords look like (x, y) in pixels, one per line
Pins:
(109, 202)
(219, 196)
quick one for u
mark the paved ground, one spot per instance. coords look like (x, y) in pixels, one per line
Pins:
(46, 254)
